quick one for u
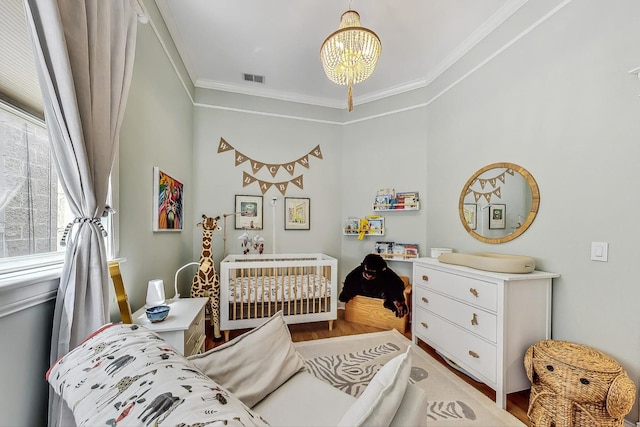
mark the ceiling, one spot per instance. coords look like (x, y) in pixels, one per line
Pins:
(221, 40)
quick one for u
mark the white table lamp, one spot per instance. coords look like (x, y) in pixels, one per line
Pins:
(175, 279)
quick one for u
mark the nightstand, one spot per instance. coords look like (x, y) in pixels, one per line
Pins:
(183, 328)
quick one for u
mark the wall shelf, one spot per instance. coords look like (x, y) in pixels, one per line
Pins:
(372, 225)
(392, 251)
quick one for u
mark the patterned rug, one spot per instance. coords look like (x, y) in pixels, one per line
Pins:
(348, 363)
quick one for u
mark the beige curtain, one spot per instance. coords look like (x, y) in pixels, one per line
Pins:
(84, 52)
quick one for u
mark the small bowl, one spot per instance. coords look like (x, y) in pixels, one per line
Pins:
(158, 313)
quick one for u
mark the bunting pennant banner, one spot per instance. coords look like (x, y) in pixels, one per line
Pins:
(256, 166)
(273, 168)
(247, 179)
(493, 182)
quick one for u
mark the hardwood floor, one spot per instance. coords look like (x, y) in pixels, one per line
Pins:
(517, 403)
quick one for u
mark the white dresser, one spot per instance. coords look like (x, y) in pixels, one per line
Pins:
(184, 326)
(483, 321)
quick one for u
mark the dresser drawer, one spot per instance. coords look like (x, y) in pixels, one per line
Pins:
(471, 318)
(194, 336)
(466, 349)
(194, 346)
(474, 291)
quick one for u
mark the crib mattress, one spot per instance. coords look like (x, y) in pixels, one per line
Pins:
(278, 288)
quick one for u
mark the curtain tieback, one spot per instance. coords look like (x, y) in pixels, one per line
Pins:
(96, 221)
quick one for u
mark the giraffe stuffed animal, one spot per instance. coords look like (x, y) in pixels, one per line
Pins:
(206, 282)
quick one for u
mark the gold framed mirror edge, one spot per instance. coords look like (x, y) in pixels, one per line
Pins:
(535, 202)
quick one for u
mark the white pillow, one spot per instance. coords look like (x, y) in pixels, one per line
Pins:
(379, 402)
(134, 353)
(254, 364)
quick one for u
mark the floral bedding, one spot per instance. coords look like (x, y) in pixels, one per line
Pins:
(126, 375)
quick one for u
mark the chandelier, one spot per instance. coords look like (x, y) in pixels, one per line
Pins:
(349, 55)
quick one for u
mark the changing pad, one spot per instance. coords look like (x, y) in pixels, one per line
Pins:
(488, 261)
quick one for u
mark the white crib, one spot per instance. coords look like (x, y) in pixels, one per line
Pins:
(254, 287)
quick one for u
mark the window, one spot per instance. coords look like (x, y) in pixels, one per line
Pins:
(33, 208)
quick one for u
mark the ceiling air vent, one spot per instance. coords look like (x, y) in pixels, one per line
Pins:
(253, 78)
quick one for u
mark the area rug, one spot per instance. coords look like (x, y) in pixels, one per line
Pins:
(349, 362)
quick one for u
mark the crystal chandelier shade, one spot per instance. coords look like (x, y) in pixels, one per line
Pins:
(350, 54)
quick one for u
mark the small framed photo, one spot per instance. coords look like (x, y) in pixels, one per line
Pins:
(497, 216)
(168, 203)
(250, 216)
(297, 213)
(470, 212)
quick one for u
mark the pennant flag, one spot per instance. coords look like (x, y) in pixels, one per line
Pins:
(298, 182)
(240, 158)
(290, 167)
(247, 179)
(264, 186)
(304, 161)
(273, 169)
(224, 146)
(316, 152)
(502, 178)
(282, 187)
(256, 166)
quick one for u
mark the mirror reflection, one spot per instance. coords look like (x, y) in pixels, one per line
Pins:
(499, 202)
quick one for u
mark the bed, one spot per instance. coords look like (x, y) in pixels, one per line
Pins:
(254, 287)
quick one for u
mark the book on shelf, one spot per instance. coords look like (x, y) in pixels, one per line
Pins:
(351, 225)
(383, 248)
(390, 192)
(393, 250)
(407, 200)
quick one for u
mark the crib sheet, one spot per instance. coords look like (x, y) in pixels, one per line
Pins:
(278, 288)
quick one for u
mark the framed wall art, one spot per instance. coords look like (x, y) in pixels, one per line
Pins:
(168, 203)
(470, 211)
(497, 216)
(297, 213)
(250, 208)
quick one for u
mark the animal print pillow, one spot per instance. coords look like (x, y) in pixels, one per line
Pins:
(127, 375)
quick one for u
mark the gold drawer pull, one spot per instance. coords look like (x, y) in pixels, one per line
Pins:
(425, 299)
(425, 277)
(474, 292)
(424, 324)
(474, 354)
(474, 320)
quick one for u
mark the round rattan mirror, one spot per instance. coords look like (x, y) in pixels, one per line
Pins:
(499, 202)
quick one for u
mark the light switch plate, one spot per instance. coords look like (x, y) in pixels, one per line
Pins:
(599, 251)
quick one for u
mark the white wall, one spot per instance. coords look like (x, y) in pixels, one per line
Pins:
(388, 152)
(270, 140)
(157, 131)
(560, 103)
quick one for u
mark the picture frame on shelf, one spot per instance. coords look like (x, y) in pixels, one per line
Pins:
(251, 212)
(497, 216)
(168, 202)
(470, 211)
(297, 213)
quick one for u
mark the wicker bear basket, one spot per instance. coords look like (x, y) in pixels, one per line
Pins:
(576, 385)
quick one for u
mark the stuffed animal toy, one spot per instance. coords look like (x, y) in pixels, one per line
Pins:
(363, 228)
(575, 385)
